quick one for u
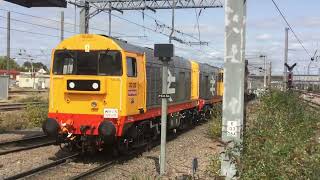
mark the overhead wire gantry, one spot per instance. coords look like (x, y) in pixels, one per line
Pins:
(108, 6)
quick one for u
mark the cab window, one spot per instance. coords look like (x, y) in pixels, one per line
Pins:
(131, 67)
(76, 62)
(110, 64)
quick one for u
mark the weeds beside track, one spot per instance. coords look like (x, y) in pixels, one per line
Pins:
(282, 142)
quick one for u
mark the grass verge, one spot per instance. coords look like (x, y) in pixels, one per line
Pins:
(31, 117)
(214, 130)
(283, 141)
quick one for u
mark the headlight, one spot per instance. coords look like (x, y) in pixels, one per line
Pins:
(72, 85)
(95, 85)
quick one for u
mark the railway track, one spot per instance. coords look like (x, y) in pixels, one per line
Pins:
(308, 98)
(107, 165)
(90, 172)
(18, 106)
(26, 91)
(25, 144)
(44, 167)
(312, 104)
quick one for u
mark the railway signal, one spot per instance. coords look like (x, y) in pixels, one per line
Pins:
(290, 78)
(290, 74)
(164, 52)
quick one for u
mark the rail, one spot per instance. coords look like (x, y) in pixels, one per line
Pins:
(308, 98)
(43, 167)
(25, 144)
(27, 91)
(92, 171)
(18, 106)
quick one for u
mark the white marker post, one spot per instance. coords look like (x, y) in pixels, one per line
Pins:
(234, 75)
(164, 52)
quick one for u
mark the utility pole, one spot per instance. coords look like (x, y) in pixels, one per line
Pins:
(309, 67)
(285, 59)
(269, 75)
(172, 30)
(62, 26)
(84, 17)
(110, 7)
(33, 75)
(234, 73)
(8, 44)
(75, 19)
(265, 72)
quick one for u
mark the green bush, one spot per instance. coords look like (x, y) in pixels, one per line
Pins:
(32, 99)
(31, 117)
(283, 141)
(214, 130)
(12, 121)
(36, 114)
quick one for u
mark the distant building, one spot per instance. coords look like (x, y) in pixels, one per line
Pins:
(39, 81)
(42, 71)
(299, 81)
(257, 82)
(310, 79)
(12, 73)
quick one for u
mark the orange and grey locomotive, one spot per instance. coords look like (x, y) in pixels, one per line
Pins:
(105, 91)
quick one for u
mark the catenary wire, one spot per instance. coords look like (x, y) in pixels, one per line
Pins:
(290, 27)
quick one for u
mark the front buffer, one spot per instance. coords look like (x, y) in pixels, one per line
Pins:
(81, 131)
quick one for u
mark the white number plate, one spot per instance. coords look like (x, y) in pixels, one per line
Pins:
(232, 128)
(110, 113)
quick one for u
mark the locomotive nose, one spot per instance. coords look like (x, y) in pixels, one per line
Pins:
(51, 127)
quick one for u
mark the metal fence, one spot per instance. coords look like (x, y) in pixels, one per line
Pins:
(4, 87)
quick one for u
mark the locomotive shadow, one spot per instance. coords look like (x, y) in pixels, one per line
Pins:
(85, 158)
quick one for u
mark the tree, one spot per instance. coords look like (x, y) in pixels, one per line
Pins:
(37, 66)
(12, 63)
(26, 64)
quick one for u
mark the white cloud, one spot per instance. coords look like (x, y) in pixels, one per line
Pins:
(309, 22)
(267, 23)
(264, 36)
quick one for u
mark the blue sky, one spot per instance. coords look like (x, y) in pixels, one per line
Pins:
(265, 31)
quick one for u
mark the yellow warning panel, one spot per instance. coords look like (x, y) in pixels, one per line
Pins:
(220, 83)
(194, 80)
